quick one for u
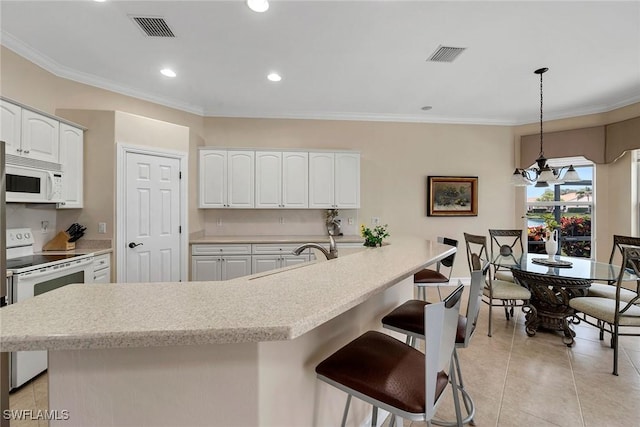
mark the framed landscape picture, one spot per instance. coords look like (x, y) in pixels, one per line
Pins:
(452, 196)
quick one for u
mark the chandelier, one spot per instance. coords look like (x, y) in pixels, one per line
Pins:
(543, 174)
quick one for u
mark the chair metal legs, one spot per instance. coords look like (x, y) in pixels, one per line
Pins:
(346, 411)
(457, 386)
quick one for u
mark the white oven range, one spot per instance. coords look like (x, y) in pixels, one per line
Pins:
(32, 275)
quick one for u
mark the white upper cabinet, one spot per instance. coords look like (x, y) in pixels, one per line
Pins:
(281, 179)
(347, 180)
(334, 180)
(71, 158)
(11, 127)
(40, 137)
(295, 179)
(226, 179)
(268, 179)
(240, 179)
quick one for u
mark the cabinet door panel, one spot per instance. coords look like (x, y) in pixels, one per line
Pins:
(71, 157)
(40, 137)
(289, 260)
(295, 179)
(235, 266)
(321, 179)
(205, 268)
(240, 185)
(268, 179)
(213, 179)
(11, 127)
(347, 180)
(262, 263)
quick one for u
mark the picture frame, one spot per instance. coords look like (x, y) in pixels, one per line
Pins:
(452, 196)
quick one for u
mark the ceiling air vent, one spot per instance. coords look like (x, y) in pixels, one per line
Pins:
(153, 26)
(446, 54)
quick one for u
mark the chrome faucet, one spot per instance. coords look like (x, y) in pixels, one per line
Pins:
(331, 254)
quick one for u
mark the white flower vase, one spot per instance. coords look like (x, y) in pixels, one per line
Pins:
(551, 243)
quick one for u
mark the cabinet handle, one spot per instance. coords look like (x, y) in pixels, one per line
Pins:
(26, 151)
(19, 150)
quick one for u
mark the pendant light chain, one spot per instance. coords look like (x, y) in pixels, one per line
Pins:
(541, 151)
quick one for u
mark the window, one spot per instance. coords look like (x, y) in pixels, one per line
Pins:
(570, 205)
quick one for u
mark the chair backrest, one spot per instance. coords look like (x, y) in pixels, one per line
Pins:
(620, 242)
(448, 261)
(476, 250)
(473, 305)
(506, 243)
(440, 326)
(630, 262)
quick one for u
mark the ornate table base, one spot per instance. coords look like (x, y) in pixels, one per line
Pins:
(548, 307)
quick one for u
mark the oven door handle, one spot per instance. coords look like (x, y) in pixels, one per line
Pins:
(49, 270)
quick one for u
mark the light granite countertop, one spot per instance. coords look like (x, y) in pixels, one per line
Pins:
(271, 306)
(274, 239)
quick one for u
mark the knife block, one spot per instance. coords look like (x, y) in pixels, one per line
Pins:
(60, 243)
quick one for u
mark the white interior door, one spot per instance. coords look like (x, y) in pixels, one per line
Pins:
(152, 223)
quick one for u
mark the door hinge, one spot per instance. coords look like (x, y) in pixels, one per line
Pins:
(179, 229)
(180, 175)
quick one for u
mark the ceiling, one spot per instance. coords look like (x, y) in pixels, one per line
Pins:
(357, 60)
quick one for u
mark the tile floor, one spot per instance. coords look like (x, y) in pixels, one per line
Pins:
(514, 379)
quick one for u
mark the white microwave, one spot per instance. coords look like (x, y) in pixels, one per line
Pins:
(31, 185)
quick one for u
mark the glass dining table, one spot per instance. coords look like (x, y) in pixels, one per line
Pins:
(562, 266)
(568, 277)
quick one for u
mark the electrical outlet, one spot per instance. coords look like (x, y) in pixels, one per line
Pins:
(375, 220)
(102, 227)
(44, 227)
(219, 222)
(350, 221)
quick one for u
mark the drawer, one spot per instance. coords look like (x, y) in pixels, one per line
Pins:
(229, 249)
(276, 249)
(101, 261)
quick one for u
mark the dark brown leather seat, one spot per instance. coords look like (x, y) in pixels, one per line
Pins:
(409, 317)
(383, 368)
(429, 276)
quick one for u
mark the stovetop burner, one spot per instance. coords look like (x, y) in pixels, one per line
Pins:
(34, 260)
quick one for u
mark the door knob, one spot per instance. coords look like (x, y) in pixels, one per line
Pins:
(133, 245)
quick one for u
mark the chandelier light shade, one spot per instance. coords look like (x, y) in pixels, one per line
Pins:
(542, 174)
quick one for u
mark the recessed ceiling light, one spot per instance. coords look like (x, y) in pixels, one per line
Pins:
(168, 72)
(426, 108)
(274, 77)
(258, 5)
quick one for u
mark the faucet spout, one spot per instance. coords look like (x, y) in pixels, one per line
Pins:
(332, 253)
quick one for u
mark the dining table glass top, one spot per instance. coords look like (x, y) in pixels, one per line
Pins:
(580, 268)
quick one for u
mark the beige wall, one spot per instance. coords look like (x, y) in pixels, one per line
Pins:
(396, 160)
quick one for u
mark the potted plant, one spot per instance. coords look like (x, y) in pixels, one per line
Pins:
(373, 238)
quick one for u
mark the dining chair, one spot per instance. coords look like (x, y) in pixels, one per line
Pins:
(607, 290)
(505, 243)
(613, 314)
(440, 276)
(496, 293)
(407, 319)
(396, 377)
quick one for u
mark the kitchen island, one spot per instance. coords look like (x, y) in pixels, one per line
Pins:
(235, 353)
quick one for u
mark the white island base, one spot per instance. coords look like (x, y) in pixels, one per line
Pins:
(269, 383)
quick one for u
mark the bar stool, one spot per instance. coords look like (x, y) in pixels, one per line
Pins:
(391, 375)
(406, 320)
(428, 277)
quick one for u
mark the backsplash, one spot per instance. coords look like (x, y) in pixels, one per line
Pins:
(33, 215)
(267, 222)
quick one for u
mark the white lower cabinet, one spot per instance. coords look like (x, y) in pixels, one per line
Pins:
(268, 257)
(220, 262)
(102, 269)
